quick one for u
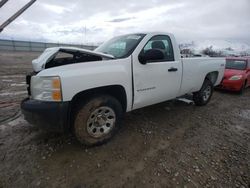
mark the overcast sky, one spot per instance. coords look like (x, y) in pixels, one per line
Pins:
(82, 21)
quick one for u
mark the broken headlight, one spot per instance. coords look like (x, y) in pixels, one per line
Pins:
(46, 88)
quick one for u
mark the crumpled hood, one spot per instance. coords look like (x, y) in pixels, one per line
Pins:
(39, 63)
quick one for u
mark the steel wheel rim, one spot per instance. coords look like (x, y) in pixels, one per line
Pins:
(207, 93)
(101, 121)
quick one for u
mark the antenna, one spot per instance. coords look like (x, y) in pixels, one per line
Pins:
(18, 13)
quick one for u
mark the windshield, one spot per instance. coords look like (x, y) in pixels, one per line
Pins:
(236, 64)
(121, 46)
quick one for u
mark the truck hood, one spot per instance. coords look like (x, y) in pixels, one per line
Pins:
(232, 72)
(39, 63)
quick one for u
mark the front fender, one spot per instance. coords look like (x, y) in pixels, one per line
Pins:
(79, 77)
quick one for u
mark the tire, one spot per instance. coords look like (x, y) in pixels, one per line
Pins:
(97, 120)
(203, 96)
(242, 89)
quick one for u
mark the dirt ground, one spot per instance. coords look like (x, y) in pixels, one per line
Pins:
(172, 144)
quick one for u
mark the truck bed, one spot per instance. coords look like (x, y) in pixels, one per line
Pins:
(195, 69)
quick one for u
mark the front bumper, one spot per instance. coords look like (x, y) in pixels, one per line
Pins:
(233, 85)
(52, 116)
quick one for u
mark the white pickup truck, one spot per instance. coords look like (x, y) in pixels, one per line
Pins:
(89, 91)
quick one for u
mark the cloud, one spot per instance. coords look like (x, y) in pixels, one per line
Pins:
(95, 21)
(121, 19)
(55, 8)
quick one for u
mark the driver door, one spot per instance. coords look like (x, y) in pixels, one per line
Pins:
(158, 79)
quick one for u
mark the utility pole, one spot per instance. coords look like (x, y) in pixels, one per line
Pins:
(18, 13)
(3, 2)
(85, 35)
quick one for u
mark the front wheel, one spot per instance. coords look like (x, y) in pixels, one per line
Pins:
(97, 120)
(243, 87)
(203, 96)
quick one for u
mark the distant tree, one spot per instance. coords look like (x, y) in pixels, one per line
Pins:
(229, 49)
(244, 53)
(208, 51)
(186, 51)
(211, 52)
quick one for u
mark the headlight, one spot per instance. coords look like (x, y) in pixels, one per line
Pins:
(46, 88)
(236, 77)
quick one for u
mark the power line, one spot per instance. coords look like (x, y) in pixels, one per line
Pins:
(18, 13)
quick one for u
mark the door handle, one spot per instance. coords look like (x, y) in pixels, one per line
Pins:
(172, 69)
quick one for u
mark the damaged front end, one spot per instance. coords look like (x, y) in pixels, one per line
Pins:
(59, 56)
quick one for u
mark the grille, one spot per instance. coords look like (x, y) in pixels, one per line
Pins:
(28, 79)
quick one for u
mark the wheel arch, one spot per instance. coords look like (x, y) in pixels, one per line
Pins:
(212, 76)
(116, 91)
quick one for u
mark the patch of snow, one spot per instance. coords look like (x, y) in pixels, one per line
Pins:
(12, 76)
(16, 121)
(245, 114)
(7, 80)
(13, 94)
(227, 47)
(18, 85)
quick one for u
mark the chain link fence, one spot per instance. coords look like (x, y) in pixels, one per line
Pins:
(28, 46)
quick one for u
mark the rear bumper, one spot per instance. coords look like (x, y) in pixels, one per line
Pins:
(233, 85)
(52, 116)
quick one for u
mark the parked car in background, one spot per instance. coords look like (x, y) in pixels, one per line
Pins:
(237, 74)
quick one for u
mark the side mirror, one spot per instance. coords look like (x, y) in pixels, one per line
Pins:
(151, 55)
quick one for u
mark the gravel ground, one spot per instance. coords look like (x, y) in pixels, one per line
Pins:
(172, 144)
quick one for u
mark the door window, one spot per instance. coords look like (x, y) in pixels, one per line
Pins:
(162, 43)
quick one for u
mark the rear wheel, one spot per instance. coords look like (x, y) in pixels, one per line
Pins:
(97, 120)
(203, 96)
